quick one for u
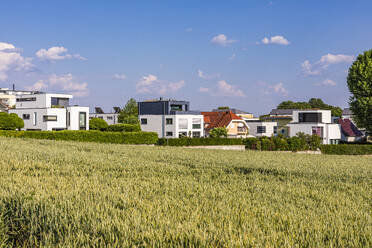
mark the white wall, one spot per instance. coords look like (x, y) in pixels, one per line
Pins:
(42, 100)
(269, 128)
(74, 117)
(330, 131)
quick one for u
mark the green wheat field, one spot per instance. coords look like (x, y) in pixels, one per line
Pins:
(71, 194)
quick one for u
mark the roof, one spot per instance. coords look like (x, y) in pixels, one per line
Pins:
(348, 128)
(235, 111)
(282, 111)
(347, 111)
(219, 119)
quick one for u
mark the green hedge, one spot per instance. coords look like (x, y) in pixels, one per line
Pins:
(123, 128)
(87, 136)
(347, 149)
(199, 141)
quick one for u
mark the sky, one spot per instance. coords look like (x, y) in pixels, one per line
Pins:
(249, 55)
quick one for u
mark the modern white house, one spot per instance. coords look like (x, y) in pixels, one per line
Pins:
(317, 122)
(47, 112)
(110, 118)
(8, 96)
(262, 128)
(170, 118)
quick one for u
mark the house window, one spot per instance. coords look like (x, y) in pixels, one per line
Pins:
(101, 117)
(26, 99)
(310, 117)
(182, 134)
(35, 119)
(334, 141)
(196, 134)
(241, 130)
(182, 123)
(275, 129)
(318, 131)
(68, 116)
(82, 120)
(169, 134)
(143, 121)
(50, 118)
(109, 117)
(261, 129)
(196, 123)
(169, 121)
(26, 116)
(176, 107)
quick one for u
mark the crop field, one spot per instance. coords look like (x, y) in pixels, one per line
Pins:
(71, 194)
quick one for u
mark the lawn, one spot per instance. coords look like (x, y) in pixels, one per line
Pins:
(72, 194)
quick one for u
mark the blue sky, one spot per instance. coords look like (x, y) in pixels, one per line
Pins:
(249, 55)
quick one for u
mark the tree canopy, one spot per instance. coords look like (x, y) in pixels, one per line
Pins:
(10, 122)
(129, 114)
(218, 132)
(359, 81)
(313, 103)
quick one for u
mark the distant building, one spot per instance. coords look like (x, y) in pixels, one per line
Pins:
(262, 128)
(170, 118)
(47, 112)
(110, 118)
(317, 122)
(349, 132)
(8, 96)
(235, 125)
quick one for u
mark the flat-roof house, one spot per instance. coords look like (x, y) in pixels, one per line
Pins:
(110, 118)
(170, 118)
(47, 112)
(317, 122)
(235, 125)
(349, 132)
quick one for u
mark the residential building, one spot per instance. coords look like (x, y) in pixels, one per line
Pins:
(317, 122)
(349, 132)
(3, 107)
(235, 125)
(110, 118)
(46, 112)
(282, 117)
(262, 128)
(170, 118)
(8, 96)
(347, 114)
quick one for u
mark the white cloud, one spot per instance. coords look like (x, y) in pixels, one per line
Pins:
(11, 59)
(279, 88)
(324, 62)
(280, 40)
(68, 82)
(202, 75)
(273, 89)
(39, 85)
(56, 53)
(225, 89)
(151, 84)
(232, 57)
(327, 82)
(188, 30)
(222, 40)
(204, 90)
(120, 76)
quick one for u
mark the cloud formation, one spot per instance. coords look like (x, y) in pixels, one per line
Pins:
(326, 82)
(151, 84)
(223, 89)
(120, 76)
(222, 40)
(12, 60)
(56, 53)
(202, 75)
(324, 62)
(278, 89)
(280, 40)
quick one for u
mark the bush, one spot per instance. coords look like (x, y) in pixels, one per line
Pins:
(88, 136)
(347, 149)
(199, 141)
(218, 132)
(124, 128)
(97, 124)
(10, 121)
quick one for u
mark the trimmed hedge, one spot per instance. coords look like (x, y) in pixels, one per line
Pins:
(123, 128)
(87, 136)
(199, 141)
(347, 149)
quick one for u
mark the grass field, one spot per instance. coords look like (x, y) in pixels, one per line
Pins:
(71, 194)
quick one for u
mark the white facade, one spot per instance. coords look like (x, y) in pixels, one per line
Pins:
(318, 122)
(110, 118)
(49, 112)
(173, 126)
(262, 128)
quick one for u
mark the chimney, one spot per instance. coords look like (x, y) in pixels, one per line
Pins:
(13, 87)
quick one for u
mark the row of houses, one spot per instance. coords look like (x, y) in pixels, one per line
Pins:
(173, 119)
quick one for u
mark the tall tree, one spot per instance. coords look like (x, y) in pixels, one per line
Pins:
(129, 114)
(359, 81)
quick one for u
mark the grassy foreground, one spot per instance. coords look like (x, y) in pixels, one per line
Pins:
(72, 194)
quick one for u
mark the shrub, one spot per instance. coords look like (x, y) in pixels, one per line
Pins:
(280, 143)
(10, 121)
(218, 132)
(97, 124)
(347, 149)
(124, 128)
(88, 136)
(199, 141)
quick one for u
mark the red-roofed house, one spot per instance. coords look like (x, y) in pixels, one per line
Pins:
(235, 125)
(349, 132)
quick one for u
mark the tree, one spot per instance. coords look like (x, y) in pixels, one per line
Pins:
(224, 107)
(97, 124)
(129, 114)
(313, 103)
(10, 122)
(18, 122)
(359, 81)
(218, 132)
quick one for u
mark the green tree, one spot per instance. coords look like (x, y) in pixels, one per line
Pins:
(224, 107)
(313, 103)
(218, 132)
(359, 81)
(18, 122)
(10, 122)
(97, 124)
(129, 114)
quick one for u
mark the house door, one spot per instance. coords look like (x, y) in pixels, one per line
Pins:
(82, 120)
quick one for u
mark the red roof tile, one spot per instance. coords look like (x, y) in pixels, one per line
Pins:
(219, 119)
(348, 128)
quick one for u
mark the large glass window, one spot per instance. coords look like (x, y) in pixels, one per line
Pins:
(169, 121)
(176, 107)
(50, 118)
(261, 129)
(318, 131)
(196, 123)
(310, 117)
(59, 102)
(182, 123)
(82, 120)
